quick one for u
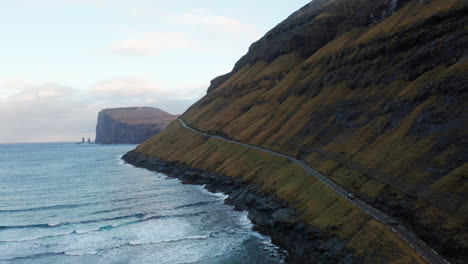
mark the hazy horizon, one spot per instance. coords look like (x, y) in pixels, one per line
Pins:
(65, 60)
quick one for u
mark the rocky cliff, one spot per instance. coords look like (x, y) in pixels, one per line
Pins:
(132, 125)
(373, 94)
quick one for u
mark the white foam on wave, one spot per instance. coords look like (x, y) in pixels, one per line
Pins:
(54, 224)
(244, 220)
(78, 253)
(35, 237)
(202, 260)
(221, 195)
(121, 162)
(83, 231)
(197, 237)
(138, 243)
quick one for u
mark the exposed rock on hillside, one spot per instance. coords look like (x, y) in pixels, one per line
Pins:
(372, 93)
(131, 125)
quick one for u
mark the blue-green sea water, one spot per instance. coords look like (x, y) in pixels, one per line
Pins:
(71, 203)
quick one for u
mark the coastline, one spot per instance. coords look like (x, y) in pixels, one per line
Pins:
(270, 216)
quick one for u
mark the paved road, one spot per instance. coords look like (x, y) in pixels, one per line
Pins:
(421, 248)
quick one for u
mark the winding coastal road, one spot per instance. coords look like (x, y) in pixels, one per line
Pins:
(426, 252)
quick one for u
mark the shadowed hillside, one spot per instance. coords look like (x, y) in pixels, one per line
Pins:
(372, 94)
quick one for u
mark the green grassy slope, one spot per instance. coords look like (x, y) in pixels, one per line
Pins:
(378, 104)
(318, 205)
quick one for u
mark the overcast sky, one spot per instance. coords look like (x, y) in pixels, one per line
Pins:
(64, 60)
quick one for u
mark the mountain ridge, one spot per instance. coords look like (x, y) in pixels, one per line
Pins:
(375, 101)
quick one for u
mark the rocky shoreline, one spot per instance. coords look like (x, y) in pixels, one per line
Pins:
(270, 216)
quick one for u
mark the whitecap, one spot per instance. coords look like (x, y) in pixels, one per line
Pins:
(221, 195)
(78, 253)
(35, 237)
(83, 231)
(195, 237)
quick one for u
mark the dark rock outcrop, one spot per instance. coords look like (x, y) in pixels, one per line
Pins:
(311, 27)
(132, 125)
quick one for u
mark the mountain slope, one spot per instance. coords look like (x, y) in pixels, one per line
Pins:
(370, 93)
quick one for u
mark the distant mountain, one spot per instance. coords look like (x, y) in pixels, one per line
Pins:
(131, 125)
(372, 94)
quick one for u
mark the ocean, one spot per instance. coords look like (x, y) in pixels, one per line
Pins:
(73, 203)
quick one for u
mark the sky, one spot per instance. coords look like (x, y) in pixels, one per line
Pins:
(62, 61)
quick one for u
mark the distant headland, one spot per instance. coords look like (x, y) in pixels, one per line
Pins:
(132, 125)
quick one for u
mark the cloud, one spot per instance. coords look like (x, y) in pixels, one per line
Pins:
(197, 30)
(43, 112)
(19, 90)
(138, 91)
(143, 89)
(151, 44)
(42, 92)
(55, 112)
(126, 87)
(97, 3)
(158, 42)
(10, 87)
(87, 2)
(13, 84)
(221, 24)
(200, 18)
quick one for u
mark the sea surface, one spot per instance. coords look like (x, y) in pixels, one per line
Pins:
(73, 203)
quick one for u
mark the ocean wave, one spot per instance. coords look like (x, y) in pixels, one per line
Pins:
(141, 218)
(25, 226)
(203, 260)
(195, 204)
(79, 253)
(37, 237)
(122, 244)
(46, 254)
(78, 232)
(111, 210)
(151, 194)
(50, 207)
(152, 217)
(139, 243)
(84, 231)
(33, 256)
(96, 252)
(221, 195)
(52, 225)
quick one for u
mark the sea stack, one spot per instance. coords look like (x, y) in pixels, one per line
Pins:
(132, 125)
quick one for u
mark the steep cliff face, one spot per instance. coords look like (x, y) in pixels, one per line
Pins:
(130, 125)
(372, 93)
